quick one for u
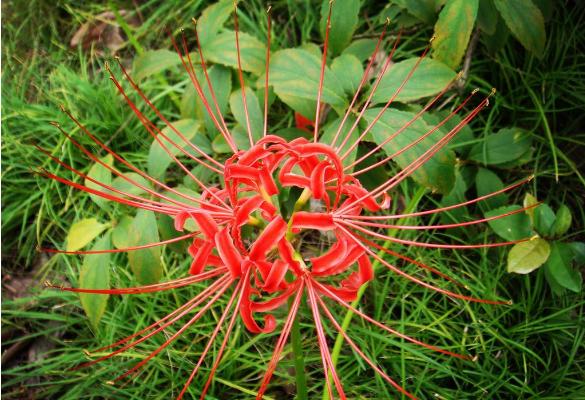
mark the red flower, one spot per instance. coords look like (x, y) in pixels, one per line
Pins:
(269, 264)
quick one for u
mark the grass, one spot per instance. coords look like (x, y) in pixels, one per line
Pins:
(534, 348)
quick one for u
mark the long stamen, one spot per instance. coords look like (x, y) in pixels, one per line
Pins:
(323, 342)
(124, 250)
(412, 278)
(158, 287)
(105, 195)
(281, 342)
(423, 158)
(213, 335)
(117, 156)
(361, 353)
(168, 207)
(372, 91)
(177, 334)
(185, 310)
(163, 146)
(412, 144)
(431, 245)
(269, 18)
(443, 209)
(322, 75)
(385, 327)
(223, 345)
(211, 288)
(442, 226)
(231, 142)
(161, 116)
(390, 101)
(241, 74)
(364, 79)
(405, 126)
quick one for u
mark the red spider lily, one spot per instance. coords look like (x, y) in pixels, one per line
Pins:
(271, 266)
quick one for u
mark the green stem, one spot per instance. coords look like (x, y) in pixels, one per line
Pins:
(299, 359)
(349, 315)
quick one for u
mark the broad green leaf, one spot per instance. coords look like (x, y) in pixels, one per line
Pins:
(212, 20)
(559, 267)
(240, 134)
(344, 20)
(331, 129)
(95, 274)
(529, 201)
(125, 186)
(526, 23)
(496, 41)
(361, 49)
(438, 173)
(303, 106)
(460, 142)
(158, 157)
(220, 146)
(488, 182)
(349, 71)
(296, 72)
(256, 116)
(82, 232)
(146, 264)
(525, 257)
(562, 221)
(221, 49)
(453, 30)
(292, 133)
(455, 196)
(424, 10)
(578, 249)
(511, 227)
(507, 145)
(121, 232)
(544, 219)
(154, 61)
(192, 106)
(166, 227)
(487, 16)
(101, 174)
(430, 77)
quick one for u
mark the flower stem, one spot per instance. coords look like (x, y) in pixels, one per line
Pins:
(299, 360)
(349, 315)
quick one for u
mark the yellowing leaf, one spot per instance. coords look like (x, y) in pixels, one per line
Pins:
(98, 172)
(452, 31)
(95, 274)
(525, 257)
(82, 232)
(146, 263)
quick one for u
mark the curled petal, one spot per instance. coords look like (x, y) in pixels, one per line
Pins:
(275, 276)
(243, 211)
(308, 220)
(269, 238)
(228, 252)
(318, 180)
(200, 257)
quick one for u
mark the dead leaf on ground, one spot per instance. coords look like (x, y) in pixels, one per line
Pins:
(103, 33)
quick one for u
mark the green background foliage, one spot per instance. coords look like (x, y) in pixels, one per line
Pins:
(526, 49)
